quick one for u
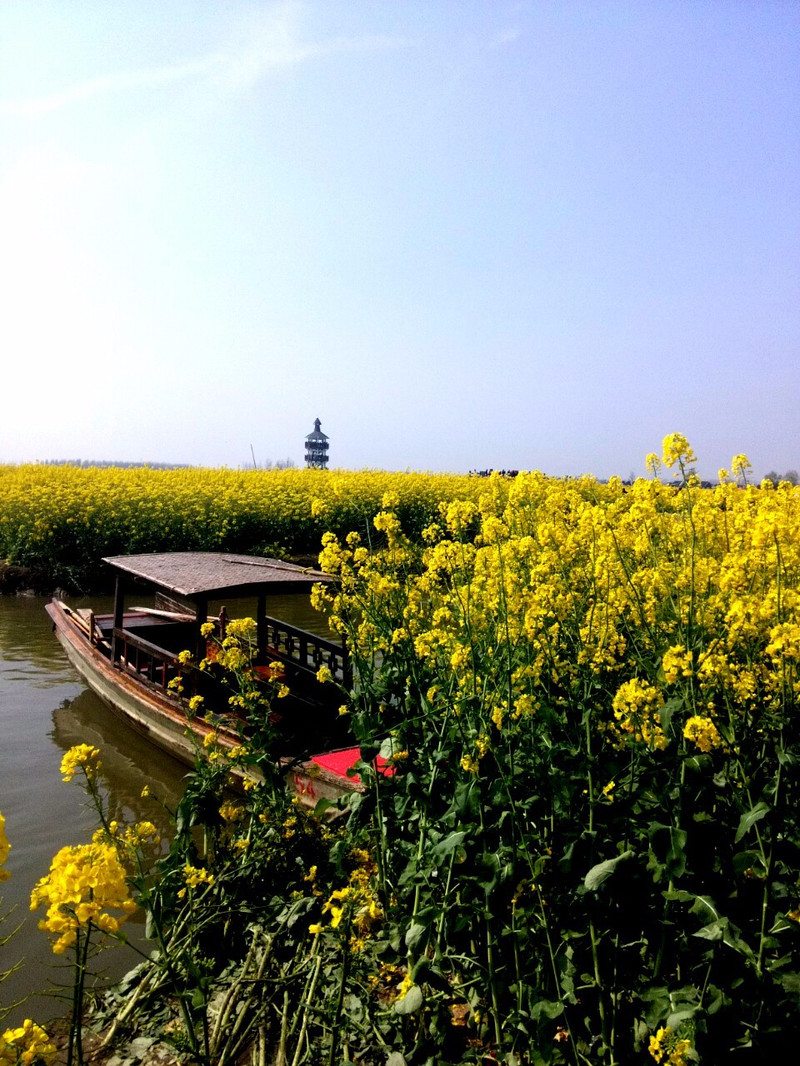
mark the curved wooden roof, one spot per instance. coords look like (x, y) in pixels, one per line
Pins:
(208, 574)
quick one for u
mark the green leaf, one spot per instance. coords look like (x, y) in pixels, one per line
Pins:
(705, 907)
(746, 860)
(369, 752)
(466, 799)
(678, 1017)
(410, 1002)
(676, 856)
(488, 870)
(425, 973)
(396, 1059)
(388, 747)
(449, 844)
(603, 870)
(678, 895)
(749, 819)
(671, 707)
(414, 934)
(547, 1008)
(322, 806)
(713, 931)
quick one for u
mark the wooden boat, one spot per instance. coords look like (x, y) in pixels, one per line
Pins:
(129, 657)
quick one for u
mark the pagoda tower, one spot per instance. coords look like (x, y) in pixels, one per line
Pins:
(317, 448)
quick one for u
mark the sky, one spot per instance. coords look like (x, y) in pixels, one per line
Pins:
(462, 234)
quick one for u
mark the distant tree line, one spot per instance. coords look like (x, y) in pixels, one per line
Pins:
(111, 462)
(279, 464)
(791, 476)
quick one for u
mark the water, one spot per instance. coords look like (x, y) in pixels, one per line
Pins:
(45, 709)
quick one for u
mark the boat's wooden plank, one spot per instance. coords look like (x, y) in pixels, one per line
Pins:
(146, 646)
(168, 616)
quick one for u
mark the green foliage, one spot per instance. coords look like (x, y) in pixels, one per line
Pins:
(577, 839)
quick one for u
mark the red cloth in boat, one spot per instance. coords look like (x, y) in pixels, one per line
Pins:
(339, 762)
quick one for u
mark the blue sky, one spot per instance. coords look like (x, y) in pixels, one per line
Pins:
(463, 234)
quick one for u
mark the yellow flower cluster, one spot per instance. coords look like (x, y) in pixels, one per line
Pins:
(128, 837)
(356, 901)
(677, 663)
(667, 1048)
(27, 1045)
(677, 450)
(5, 847)
(231, 812)
(85, 882)
(80, 757)
(702, 732)
(194, 876)
(637, 709)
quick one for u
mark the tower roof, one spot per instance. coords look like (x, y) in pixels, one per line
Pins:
(317, 433)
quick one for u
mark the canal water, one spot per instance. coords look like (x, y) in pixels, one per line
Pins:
(45, 709)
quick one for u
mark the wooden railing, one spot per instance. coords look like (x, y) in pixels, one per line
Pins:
(306, 650)
(146, 659)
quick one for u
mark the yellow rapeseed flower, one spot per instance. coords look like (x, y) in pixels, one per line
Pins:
(703, 733)
(27, 1045)
(85, 882)
(5, 847)
(83, 757)
(677, 449)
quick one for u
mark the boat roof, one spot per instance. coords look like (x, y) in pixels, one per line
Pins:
(210, 574)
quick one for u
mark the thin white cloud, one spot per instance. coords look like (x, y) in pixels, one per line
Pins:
(110, 83)
(505, 37)
(240, 70)
(271, 38)
(261, 45)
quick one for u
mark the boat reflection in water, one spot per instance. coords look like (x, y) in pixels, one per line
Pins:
(128, 761)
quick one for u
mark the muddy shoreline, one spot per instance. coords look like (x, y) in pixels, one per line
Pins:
(23, 581)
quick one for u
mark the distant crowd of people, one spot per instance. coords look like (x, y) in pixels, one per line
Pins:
(486, 473)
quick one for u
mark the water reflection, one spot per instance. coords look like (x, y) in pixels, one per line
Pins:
(44, 709)
(128, 761)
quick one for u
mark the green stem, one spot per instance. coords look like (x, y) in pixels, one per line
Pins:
(81, 962)
(339, 1001)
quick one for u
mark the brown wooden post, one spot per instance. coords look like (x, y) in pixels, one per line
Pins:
(200, 618)
(119, 610)
(261, 627)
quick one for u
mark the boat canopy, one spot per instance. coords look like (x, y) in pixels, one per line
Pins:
(212, 575)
